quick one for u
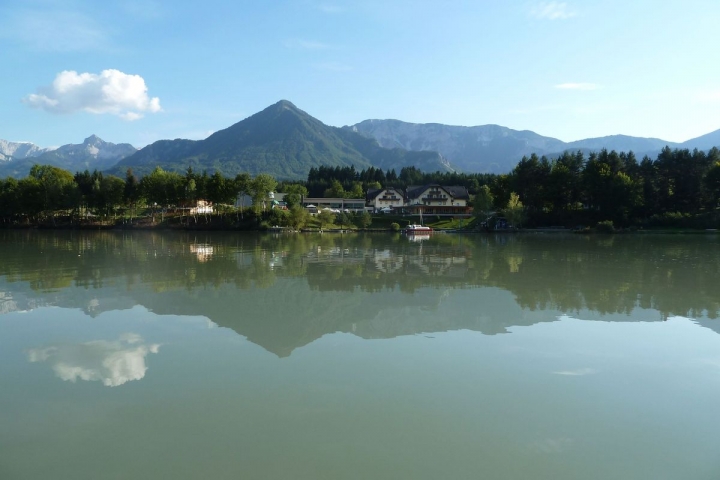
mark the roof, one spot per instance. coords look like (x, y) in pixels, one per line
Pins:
(455, 191)
(458, 192)
(372, 193)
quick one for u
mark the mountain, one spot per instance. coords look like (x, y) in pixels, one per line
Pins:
(19, 150)
(703, 142)
(621, 143)
(486, 148)
(496, 149)
(93, 154)
(286, 142)
(281, 140)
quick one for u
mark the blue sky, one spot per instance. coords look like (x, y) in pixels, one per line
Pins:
(138, 71)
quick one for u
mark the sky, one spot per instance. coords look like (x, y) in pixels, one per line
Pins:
(137, 71)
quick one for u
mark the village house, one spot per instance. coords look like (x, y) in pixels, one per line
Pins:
(202, 207)
(436, 199)
(277, 200)
(385, 199)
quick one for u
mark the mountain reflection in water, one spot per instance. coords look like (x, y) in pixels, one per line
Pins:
(284, 291)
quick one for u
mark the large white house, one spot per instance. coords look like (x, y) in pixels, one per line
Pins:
(436, 199)
(381, 198)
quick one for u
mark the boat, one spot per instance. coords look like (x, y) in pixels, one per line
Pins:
(415, 229)
(277, 229)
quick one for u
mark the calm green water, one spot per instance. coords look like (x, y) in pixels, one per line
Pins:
(225, 356)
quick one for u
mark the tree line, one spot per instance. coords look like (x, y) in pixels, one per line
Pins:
(678, 187)
(347, 182)
(49, 191)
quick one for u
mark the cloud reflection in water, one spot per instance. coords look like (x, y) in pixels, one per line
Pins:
(112, 362)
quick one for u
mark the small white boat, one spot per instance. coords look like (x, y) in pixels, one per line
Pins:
(414, 228)
(418, 229)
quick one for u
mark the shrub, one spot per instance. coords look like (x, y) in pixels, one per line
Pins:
(326, 217)
(677, 220)
(363, 219)
(606, 226)
(277, 217)
(395, 227)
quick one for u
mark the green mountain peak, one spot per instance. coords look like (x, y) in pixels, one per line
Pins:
(281, 140)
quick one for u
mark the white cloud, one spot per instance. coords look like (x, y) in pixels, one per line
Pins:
(578, 86)
(130, 338)
(111, 91)
(552, 11)
(130, 116)
(306, 44)
(112, 363)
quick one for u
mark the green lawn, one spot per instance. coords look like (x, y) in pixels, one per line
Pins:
(452, 223)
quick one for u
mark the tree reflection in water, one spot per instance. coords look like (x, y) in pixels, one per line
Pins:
(283, 291)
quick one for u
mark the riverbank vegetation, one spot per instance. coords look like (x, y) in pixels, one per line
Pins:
(678, 189)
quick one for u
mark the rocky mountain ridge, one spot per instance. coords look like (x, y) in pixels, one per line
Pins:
(93, 154)
(19, 150)
(497, 149)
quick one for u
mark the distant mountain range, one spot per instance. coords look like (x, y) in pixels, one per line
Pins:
(286, 142)
(19, 150)
(92, 154)
(496, 149)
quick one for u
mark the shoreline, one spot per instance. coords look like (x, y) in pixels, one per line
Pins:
(210, 227)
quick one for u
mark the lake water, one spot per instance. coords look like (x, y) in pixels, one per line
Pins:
(226, 356)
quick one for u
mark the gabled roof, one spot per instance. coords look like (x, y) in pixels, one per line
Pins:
(373, 193)
(414, 191)
(456, 191)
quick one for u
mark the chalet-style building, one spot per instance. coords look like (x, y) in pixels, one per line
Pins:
(383, 198)
(201, 207)
(436, 199)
